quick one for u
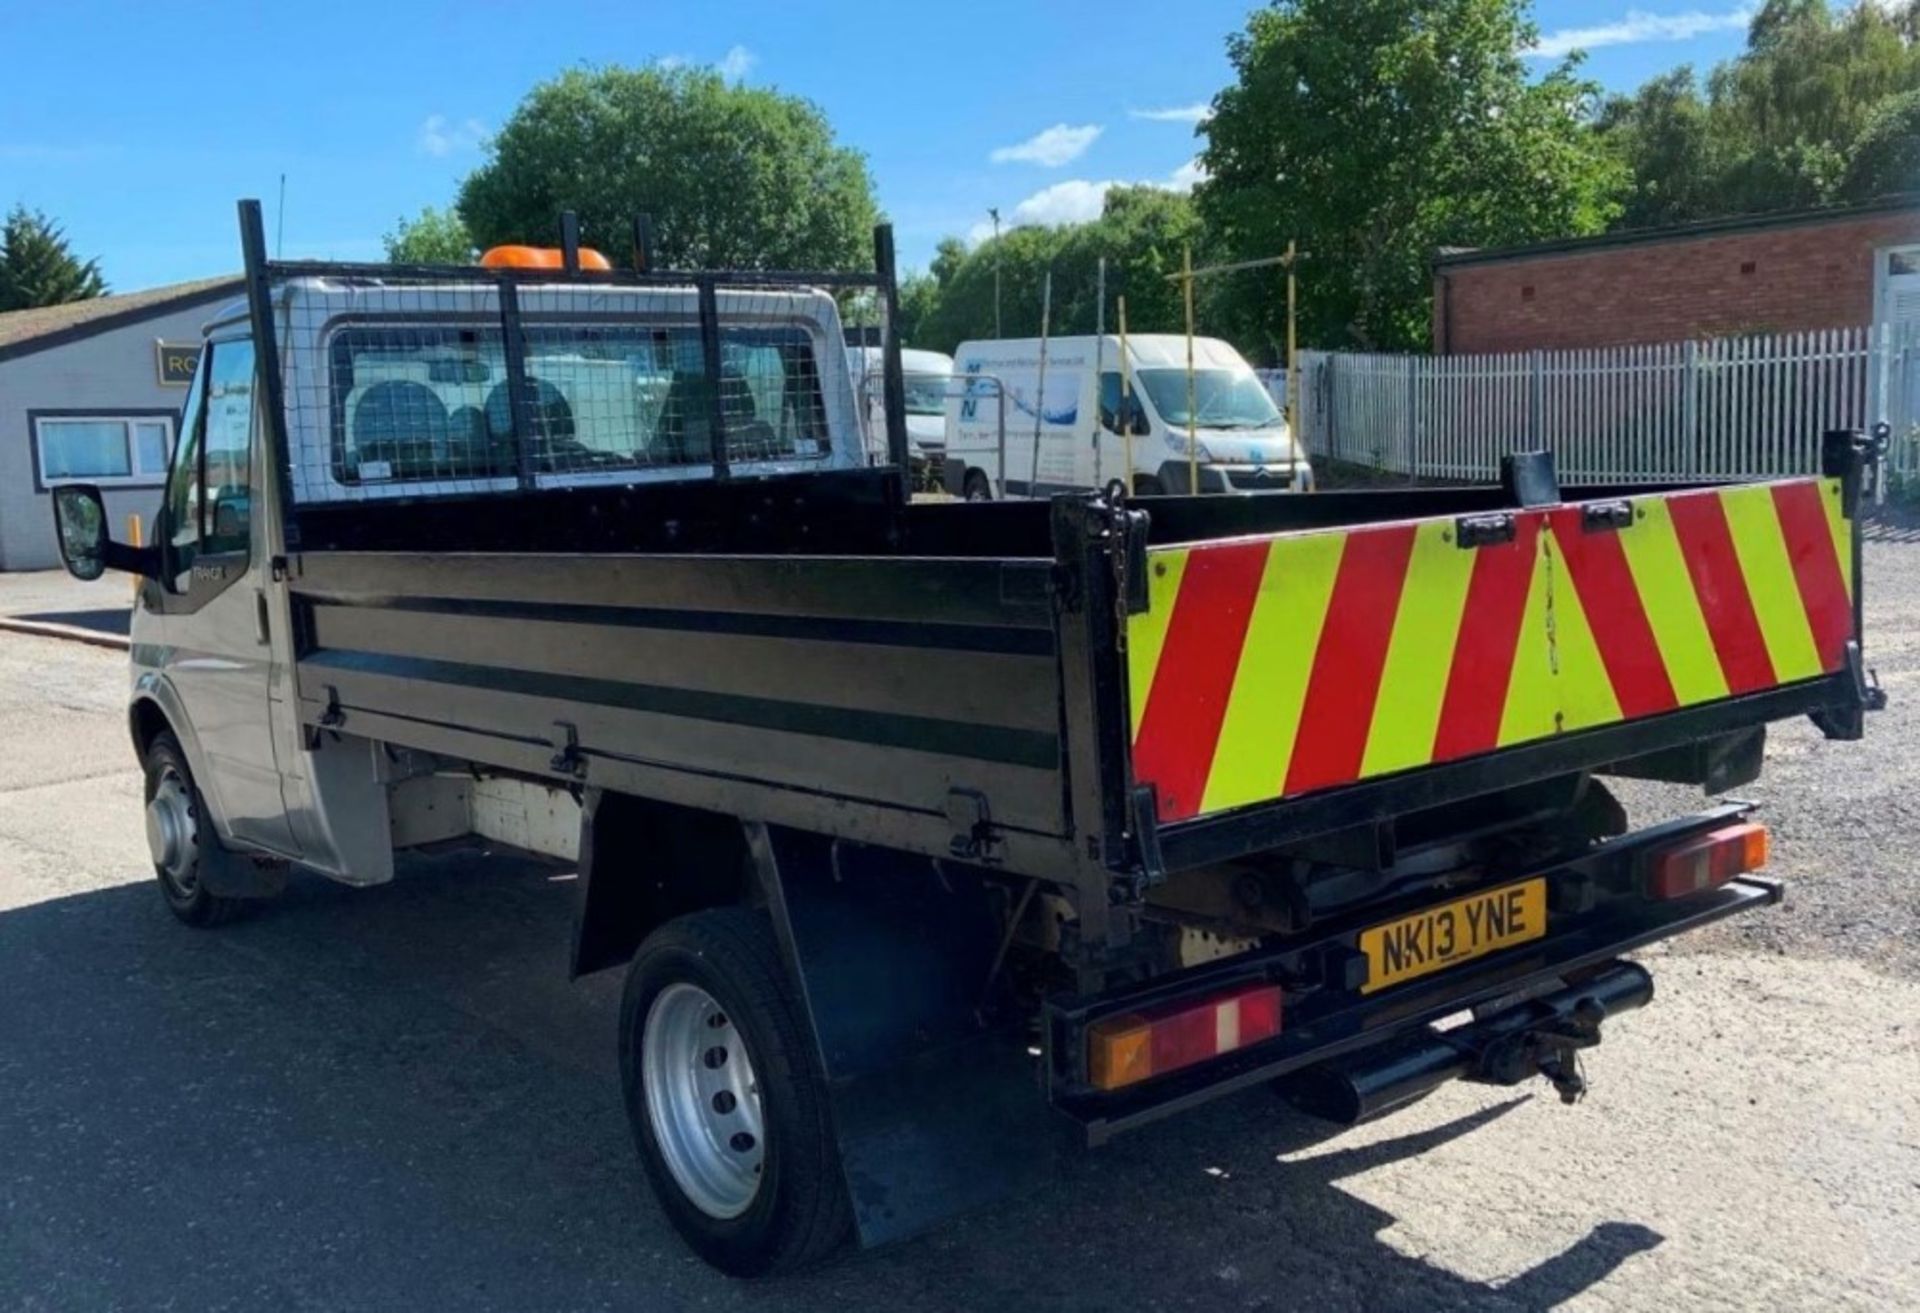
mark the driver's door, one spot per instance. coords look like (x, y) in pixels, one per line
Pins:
(208, 618)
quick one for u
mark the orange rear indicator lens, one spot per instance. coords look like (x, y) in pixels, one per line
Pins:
(1134, 1046)
(540, 257)
(1707, 860)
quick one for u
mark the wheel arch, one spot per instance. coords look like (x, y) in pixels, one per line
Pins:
(644, 862)
(146, 721)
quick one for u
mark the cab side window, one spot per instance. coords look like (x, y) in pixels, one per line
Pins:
(226, 516)
(1110, 405)
(208, 508)
(183, 487)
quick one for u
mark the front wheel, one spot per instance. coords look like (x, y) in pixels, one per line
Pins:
(725, 1096)
(976, 487)
(179, 838)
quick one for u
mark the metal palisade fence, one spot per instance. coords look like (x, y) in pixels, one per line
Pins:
(1736, 407)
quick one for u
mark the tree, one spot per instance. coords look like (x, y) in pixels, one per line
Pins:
(920, 292)
(1792, 105)
(1676, 161)
(1886, 157)
(733, 176)
(37, 267)
(1140, 232)
(1377, 131)
(435, 237)
(1779, 123)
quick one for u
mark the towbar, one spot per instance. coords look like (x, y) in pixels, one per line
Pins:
(1533, 1037)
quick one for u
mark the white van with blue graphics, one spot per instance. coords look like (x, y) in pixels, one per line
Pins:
(1018, 428)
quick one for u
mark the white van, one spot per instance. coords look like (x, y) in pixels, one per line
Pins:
(1070, 438)
(927, 374)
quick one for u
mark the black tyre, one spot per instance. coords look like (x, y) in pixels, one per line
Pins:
(1145, 485)
(725, 1096)
(976, 486)
(179, 837)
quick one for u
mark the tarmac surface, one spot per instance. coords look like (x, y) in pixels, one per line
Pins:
(393, 1097)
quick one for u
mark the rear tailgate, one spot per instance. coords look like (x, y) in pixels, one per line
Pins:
(1271, 670)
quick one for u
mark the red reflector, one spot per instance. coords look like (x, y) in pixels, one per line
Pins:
(1707, 860)
(1153, 1041)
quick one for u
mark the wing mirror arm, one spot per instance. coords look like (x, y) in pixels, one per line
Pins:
(143, 561)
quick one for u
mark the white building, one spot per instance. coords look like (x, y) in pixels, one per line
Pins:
(90, 392)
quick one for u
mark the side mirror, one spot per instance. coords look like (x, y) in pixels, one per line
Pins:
(80, 521)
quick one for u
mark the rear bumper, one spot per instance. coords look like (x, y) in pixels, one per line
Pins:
(1595, 914)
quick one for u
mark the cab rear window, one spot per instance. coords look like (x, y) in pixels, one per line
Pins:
(432, 402)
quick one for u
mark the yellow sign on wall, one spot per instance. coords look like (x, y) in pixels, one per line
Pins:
(176, 362)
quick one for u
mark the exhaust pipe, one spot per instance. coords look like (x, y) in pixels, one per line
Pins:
(1527, 1039)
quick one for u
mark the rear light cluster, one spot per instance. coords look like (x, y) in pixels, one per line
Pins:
(1133, 1046)
(1707, 860)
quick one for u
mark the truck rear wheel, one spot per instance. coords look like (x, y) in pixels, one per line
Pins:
(976, 486)
(725, 1097)
(178, 835)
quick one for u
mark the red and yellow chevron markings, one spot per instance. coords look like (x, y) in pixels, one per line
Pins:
(1270, 667)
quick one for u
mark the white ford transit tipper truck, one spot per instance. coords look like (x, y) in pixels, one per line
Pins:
(926, 831)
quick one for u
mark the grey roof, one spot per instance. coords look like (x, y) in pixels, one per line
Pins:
(23, 332)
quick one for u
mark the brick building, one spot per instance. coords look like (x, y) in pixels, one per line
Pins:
(1752, 274)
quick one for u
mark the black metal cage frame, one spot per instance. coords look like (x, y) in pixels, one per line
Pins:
(262, 274)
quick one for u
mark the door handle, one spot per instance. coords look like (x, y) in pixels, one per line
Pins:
(262, 632)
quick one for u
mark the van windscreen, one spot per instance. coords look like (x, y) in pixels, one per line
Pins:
(1223, 398)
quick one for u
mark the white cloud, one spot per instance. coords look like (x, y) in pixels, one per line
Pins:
(440, 136)
(1637, 28)
(1078, 200)
(1057, 145)
(1199, 113)
(1184, 177)
(733, 66)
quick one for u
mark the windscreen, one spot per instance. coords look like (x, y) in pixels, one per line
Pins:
(1223, 398)
(415, 402)
(927, 394)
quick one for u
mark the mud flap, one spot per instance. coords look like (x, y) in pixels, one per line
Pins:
(936, 1114)
(239, 875)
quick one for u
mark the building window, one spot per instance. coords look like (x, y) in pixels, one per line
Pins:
(127, 450)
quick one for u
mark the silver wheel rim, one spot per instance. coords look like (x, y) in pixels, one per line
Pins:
(171, 836)
(703, 1100)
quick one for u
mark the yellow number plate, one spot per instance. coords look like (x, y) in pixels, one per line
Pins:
(1452, 933)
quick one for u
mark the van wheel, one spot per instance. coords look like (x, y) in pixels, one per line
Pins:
(178, 835)
(725, 1097)
(977, 488)
(1145, 485)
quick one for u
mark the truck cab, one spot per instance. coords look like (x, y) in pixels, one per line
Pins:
(409, 402)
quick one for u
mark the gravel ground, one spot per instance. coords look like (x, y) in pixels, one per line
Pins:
(1842, 814)
(393, 1097)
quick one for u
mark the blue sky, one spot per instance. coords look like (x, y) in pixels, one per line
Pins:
(137, 127)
